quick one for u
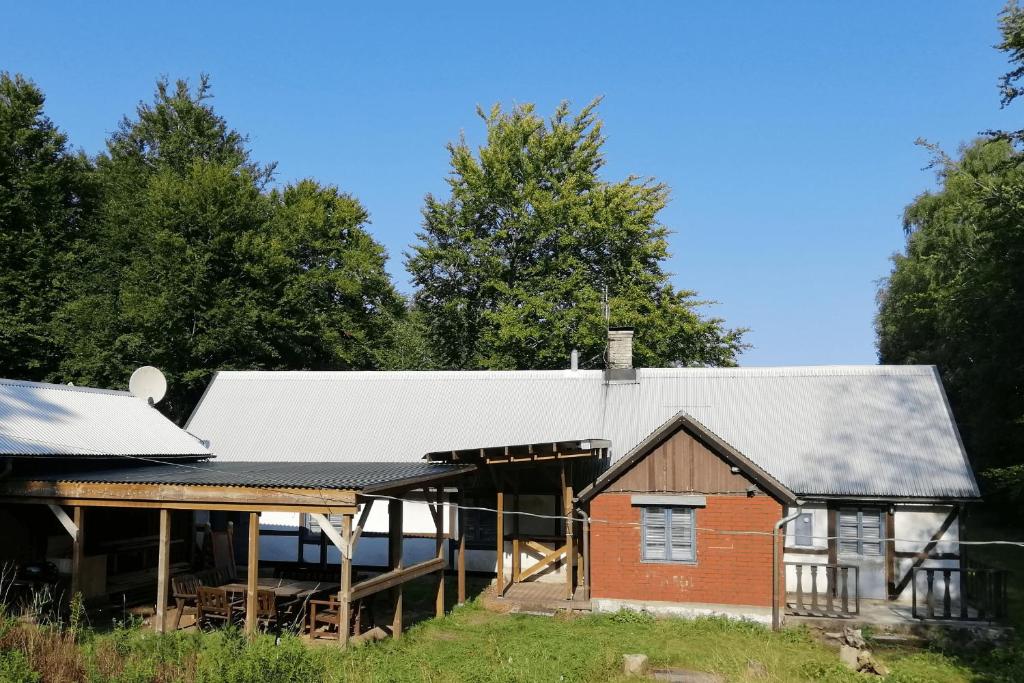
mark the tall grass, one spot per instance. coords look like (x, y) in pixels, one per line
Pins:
(470, 644)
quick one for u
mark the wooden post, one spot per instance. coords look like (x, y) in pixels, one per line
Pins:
(439, 547)
(163, 571)
(395, 536)
(569, 546)
(462, 548)
(890, 553)
(252, 573)
(77, 550)
(500, 580)
(516, 557)
(345, 606)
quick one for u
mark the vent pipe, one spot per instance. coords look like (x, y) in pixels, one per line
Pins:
(574, 360)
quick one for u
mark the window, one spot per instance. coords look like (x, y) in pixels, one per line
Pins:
(860, 532)
(804, 529)
(481, 525)
(669, 534)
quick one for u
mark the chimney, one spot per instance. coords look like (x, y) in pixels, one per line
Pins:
(620, 355)
(574, 360)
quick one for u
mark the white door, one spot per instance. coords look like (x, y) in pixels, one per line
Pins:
(861, 544)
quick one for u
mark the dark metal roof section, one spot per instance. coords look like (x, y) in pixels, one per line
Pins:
(351, 476)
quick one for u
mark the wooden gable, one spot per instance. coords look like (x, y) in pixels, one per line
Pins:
(679, 464)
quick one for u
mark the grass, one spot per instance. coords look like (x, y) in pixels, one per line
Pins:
(470, 644)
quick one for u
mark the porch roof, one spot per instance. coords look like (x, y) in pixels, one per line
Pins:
(214, 485)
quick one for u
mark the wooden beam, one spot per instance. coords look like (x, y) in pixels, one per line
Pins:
(439, 553)
(166, 495)
(936, 537)
(397, 577)
(395, 561)
(569, 545)
(210, 506)
(345, 595)
(516, 558)
(542, 563)
(77, 551)
(358, 531)
(500, 579)
(832, 532)
(65, 521)
(890, 553)
(252, 574)
(328, 529)
(462, 548)
(163, 571)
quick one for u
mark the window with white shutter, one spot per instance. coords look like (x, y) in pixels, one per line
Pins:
(860, 532)
(669, 534)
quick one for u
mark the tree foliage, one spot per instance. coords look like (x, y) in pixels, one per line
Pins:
(512, 267)
(193, 266)
(955, 297)
(44, 198)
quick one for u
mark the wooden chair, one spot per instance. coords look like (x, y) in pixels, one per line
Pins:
(267, 615)
(185, 590)
(215, 606)
(325, 613)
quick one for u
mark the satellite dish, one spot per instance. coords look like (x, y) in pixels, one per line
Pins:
(148, 383)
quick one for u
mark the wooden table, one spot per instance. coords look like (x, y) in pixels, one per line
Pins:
(284, 588)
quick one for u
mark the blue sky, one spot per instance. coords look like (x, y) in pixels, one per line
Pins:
(785, 130)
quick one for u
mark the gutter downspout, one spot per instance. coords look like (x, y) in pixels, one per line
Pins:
(586, 553)
(776, 617)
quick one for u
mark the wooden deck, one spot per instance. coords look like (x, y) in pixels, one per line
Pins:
(537, 596)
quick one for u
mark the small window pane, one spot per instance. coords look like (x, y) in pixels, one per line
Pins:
(805, 529)
(654, 533)
(682, 534)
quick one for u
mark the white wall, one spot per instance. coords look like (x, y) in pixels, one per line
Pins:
(914, 527)
(372, 550)
(819, 524)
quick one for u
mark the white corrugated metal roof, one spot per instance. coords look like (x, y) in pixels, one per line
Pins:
(859, 430)
(59, 419)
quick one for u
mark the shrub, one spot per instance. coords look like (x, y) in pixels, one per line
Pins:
(14, 668)
(629, 616)
(228, 657)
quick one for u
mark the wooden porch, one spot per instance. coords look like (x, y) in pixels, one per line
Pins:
(350, 490)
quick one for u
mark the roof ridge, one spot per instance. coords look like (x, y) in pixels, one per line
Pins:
(50, 386)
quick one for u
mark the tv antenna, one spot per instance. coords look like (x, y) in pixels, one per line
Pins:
(148, 383)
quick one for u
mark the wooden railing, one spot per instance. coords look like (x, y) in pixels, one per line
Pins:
(834, 590)
(962, 594)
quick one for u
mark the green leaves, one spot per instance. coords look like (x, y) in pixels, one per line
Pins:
(955, 298)
(45, 195)
(192, 266)
(512, 268)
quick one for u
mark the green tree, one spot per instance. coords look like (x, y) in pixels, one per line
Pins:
(955, 298)
(44, 198)
(193, 266)
(511, 269)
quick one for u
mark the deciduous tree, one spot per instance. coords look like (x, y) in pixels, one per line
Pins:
(512, 267)
(44, 198)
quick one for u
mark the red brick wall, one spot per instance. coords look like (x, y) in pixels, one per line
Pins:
(730, 569)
